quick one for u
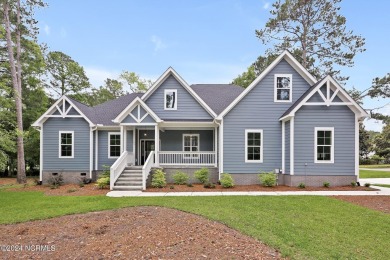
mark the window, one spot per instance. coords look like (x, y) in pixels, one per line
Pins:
(170, 99)
(324, 148)
(191, 144)
(66, 141)
(114, 145)
(254, 146)
(283, 88)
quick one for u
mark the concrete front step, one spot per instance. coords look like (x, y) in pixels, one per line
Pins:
(129, 188)
(131, 173)
(130, 178)
(133, 168)
(128, 183)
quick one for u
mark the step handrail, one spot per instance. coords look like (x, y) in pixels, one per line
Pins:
(117, 168)
(146, 169)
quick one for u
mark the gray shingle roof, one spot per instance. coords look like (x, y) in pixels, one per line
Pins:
(301, 98)
(108, 111)
(217, 96)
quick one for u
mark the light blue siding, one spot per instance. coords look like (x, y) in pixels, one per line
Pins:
(257, 110)
(129, 119)
(129, 145)
(172, 140)
(343, 121)
(103, 149)
(51, 160)
(287, 148)
(187, 106)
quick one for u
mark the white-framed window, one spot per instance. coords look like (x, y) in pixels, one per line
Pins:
(191, 144)
(282, 87)
(66, 144)
(114, 145)
(324, 144)
(254, 145)
(170, 99)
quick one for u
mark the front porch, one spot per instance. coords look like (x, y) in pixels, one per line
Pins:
(178, 146)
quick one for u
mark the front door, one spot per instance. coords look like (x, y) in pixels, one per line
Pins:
(146, 147)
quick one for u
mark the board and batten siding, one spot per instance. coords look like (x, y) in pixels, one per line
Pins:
(187, 106)
(343, 121)
(172, 140)
(80, 161)
(257, 110)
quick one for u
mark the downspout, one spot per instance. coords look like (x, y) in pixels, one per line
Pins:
(220, 144)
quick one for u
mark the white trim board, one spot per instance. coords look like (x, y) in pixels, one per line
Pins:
(331, 84)
(60, 144)
(109, 145)
(290, 59)
(164, 76)
(63, 113)
(127, 111)
(261, 145)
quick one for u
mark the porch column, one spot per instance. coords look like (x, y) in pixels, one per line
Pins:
(125, 138)
(215, 146)
(122, 135)
(157, 145)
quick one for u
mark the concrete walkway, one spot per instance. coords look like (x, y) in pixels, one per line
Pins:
(381, 192)
(376, 169)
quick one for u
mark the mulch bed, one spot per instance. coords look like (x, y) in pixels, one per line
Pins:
(381, 203)
(200, 188)
(131, 233)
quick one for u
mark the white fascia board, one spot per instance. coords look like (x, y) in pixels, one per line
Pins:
(362, 112)
(51, 110)
(355, 107)
(164, 76)
(131, 106)
(290, 59)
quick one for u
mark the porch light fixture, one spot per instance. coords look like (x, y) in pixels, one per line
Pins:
(145, 134)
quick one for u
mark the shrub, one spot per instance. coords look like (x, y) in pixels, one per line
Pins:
(158, 179)
(103, 182)
(301, 185)
(353, 184)
(209, 185)
(190, 184)
(268, 179)
(171, 187)
(71, 190)
(202, 175)
(227, 180)
(56, 180)
(180, 178)
(326, 184)
(106, 171)
(367, 184)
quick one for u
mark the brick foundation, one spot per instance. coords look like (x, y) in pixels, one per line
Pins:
(68, 176)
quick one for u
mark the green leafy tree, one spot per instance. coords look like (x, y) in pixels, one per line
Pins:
(365, 145)
(316, 29)
(136, 84)
(66, 76)
(246, 78)
(382, 143)
(17, 24)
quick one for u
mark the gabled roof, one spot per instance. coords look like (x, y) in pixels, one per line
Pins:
(76, 105)
(164, 76)
(131, 106)
(312, 90)
(286, 55)
(217, 96)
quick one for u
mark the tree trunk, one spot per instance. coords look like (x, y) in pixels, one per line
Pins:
(21, 175)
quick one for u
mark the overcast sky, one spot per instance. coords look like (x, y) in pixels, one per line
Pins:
(205, 41)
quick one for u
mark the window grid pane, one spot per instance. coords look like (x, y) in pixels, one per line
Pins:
(324, 145)
(115, 145)
(191, 144)
(66, 145)
(253, 146)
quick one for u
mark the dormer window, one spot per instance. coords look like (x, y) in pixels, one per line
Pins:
(283, 88)
(170, 99)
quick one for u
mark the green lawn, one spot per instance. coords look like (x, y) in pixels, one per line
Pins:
(374, 174)
(375, 166)
(382, 185)
(301, 227)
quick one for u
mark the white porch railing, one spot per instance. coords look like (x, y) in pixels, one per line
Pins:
(187, 158)
(146, 169)
(117, 168)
